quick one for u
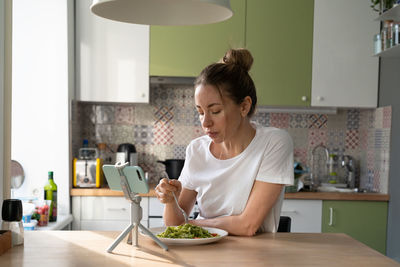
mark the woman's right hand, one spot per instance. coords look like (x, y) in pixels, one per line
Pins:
(165, 188)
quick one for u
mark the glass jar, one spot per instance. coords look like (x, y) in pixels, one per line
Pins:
(383, 38)
(396, 33)
(17, 231)
(377, 44)
(387, 36)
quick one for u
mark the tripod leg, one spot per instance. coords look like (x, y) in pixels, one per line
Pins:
(135, 235)
(129, 241)
(158, 241)
(119, 238)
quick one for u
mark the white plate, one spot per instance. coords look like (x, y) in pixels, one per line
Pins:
(188, 241)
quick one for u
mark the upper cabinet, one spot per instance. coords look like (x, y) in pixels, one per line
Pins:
(279, 36)
(112, 58)
(344, 71)
(186, 50)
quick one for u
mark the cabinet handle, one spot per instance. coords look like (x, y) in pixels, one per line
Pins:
(304, 98)
(116, 209)
(330, 217)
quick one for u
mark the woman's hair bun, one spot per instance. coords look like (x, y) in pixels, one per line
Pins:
(241, 57)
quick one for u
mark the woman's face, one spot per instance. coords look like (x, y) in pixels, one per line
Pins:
(220, 116)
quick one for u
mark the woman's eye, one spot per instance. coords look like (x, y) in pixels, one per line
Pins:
(216, 112)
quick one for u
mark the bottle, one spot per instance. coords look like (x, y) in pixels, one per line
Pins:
(332, 169)
(103, 153)
(50, 193)
(396, 34)
(377, 44)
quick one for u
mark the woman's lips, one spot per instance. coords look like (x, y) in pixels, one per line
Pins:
(212, 134)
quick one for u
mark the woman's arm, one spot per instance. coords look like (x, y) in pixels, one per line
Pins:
(262, 198)
(186, 199)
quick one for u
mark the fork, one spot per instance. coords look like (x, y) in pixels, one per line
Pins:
(176, 201)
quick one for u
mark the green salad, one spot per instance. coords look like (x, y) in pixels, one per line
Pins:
(186, 231)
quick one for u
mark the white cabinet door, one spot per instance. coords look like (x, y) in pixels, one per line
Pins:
(112, 58)
(344, 71)
(104, 213)
(306, 215)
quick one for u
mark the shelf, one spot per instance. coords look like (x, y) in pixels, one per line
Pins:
(61, 223)
(391, 14)
(391, 52)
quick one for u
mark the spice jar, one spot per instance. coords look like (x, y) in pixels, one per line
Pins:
(396, 33)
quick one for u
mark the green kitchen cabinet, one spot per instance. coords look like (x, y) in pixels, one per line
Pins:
(185, 50)
(279, 34)
(365, 221)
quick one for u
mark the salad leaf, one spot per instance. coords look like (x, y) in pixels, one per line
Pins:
(186, 231)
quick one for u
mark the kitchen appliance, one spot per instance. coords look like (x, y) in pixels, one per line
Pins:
(87, 172)
(173, 167)
(127, 153)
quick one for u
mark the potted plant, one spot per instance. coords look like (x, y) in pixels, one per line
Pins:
(383, 5)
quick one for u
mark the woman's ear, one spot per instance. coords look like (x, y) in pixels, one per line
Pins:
(245, 106)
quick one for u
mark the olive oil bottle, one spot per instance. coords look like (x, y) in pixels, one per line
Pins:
(50, 193)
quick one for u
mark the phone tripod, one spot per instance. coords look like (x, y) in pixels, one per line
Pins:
(136, 214)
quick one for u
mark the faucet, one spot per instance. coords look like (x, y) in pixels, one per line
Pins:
(313, 178)
(347, 162)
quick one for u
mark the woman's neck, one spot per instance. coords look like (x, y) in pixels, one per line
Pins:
(236, 144)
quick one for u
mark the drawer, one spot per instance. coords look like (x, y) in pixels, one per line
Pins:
(100, 225)
(306, 215)
(109, 208)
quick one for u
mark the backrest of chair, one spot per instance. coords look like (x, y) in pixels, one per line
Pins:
(284, 224)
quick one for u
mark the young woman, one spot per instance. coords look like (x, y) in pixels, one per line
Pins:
(237, 171)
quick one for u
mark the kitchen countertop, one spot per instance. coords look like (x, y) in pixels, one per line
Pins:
(107, 192)
(88, 248)
(298, 195)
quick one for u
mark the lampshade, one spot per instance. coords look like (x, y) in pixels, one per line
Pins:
(163, 12)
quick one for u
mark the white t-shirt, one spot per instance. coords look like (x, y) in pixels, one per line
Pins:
(223, 186)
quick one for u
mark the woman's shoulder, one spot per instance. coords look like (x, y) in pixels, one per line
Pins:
(201, 141)
(271, 136)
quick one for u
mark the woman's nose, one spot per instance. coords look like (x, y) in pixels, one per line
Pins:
(207, 122)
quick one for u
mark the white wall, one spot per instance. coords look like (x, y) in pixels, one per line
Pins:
(41, 83)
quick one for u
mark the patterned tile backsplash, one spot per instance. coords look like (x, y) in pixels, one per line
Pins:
(162, 130)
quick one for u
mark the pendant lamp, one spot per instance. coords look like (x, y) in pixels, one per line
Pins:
(163, 12)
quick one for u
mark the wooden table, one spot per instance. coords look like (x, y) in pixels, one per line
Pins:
(88, 248)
